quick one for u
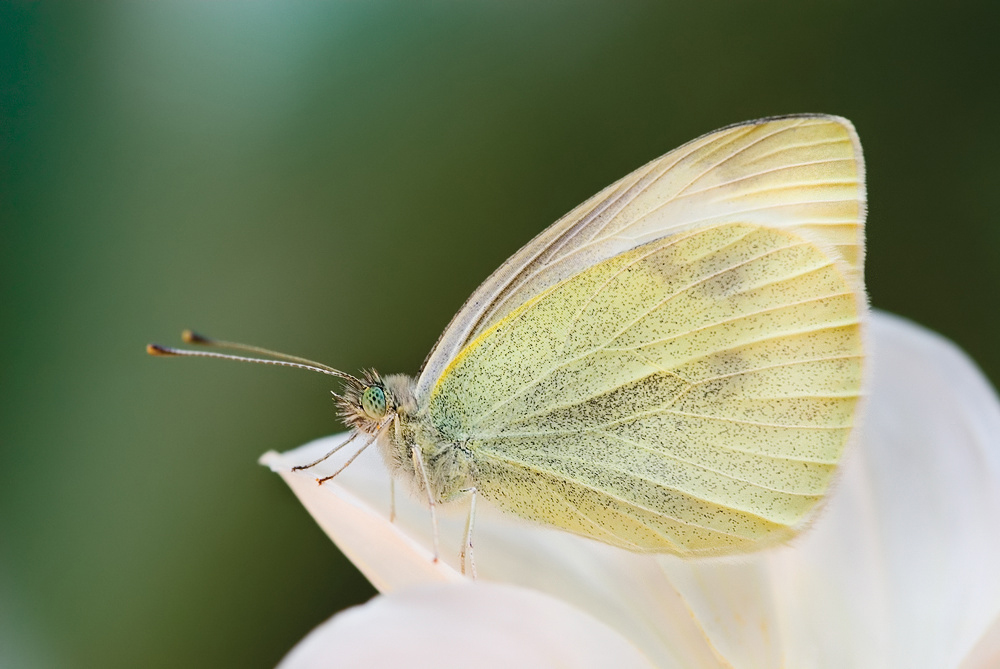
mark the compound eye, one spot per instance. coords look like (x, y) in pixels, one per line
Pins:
(373, 402)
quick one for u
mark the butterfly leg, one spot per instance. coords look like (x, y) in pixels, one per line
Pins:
(392, 499)
(331, 452)
(347, 464)
(392, 479)
(467, 545)
(418, 464)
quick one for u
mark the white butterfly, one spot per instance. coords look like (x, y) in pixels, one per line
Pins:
(673, 366)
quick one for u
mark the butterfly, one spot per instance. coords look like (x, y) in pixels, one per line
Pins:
(673, 366)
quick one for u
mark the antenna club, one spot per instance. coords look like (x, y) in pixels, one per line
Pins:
(156, 349)
(192, 337)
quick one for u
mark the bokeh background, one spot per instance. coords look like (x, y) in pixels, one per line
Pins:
(333, 179)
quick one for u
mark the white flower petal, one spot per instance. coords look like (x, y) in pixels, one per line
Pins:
(933, 444)
(986, 653)
(386, 555)
(481, 625)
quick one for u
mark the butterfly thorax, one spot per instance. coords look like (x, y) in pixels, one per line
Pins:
(447, 463)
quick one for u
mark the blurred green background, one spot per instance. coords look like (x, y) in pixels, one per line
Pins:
(333, 180)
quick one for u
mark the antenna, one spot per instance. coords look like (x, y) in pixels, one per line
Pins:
(191, 337)
(284, 360)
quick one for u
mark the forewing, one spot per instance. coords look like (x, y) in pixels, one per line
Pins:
(804, 173)
(691, 395)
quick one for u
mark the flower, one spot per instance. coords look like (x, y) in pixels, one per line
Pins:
(899, 570)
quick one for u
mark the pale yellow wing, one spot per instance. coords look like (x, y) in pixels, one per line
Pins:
(804, 173)
(691, 395)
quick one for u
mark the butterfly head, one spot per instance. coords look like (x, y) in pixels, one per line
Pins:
(366, 403)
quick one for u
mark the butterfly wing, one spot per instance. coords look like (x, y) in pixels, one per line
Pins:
(692, 395)
(803, 173)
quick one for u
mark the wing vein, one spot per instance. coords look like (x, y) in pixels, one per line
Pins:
(558, 475)
(804, 145)
(706, 468)
(734, 319)
(791, 166)
(778, 365)
(754, 422)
